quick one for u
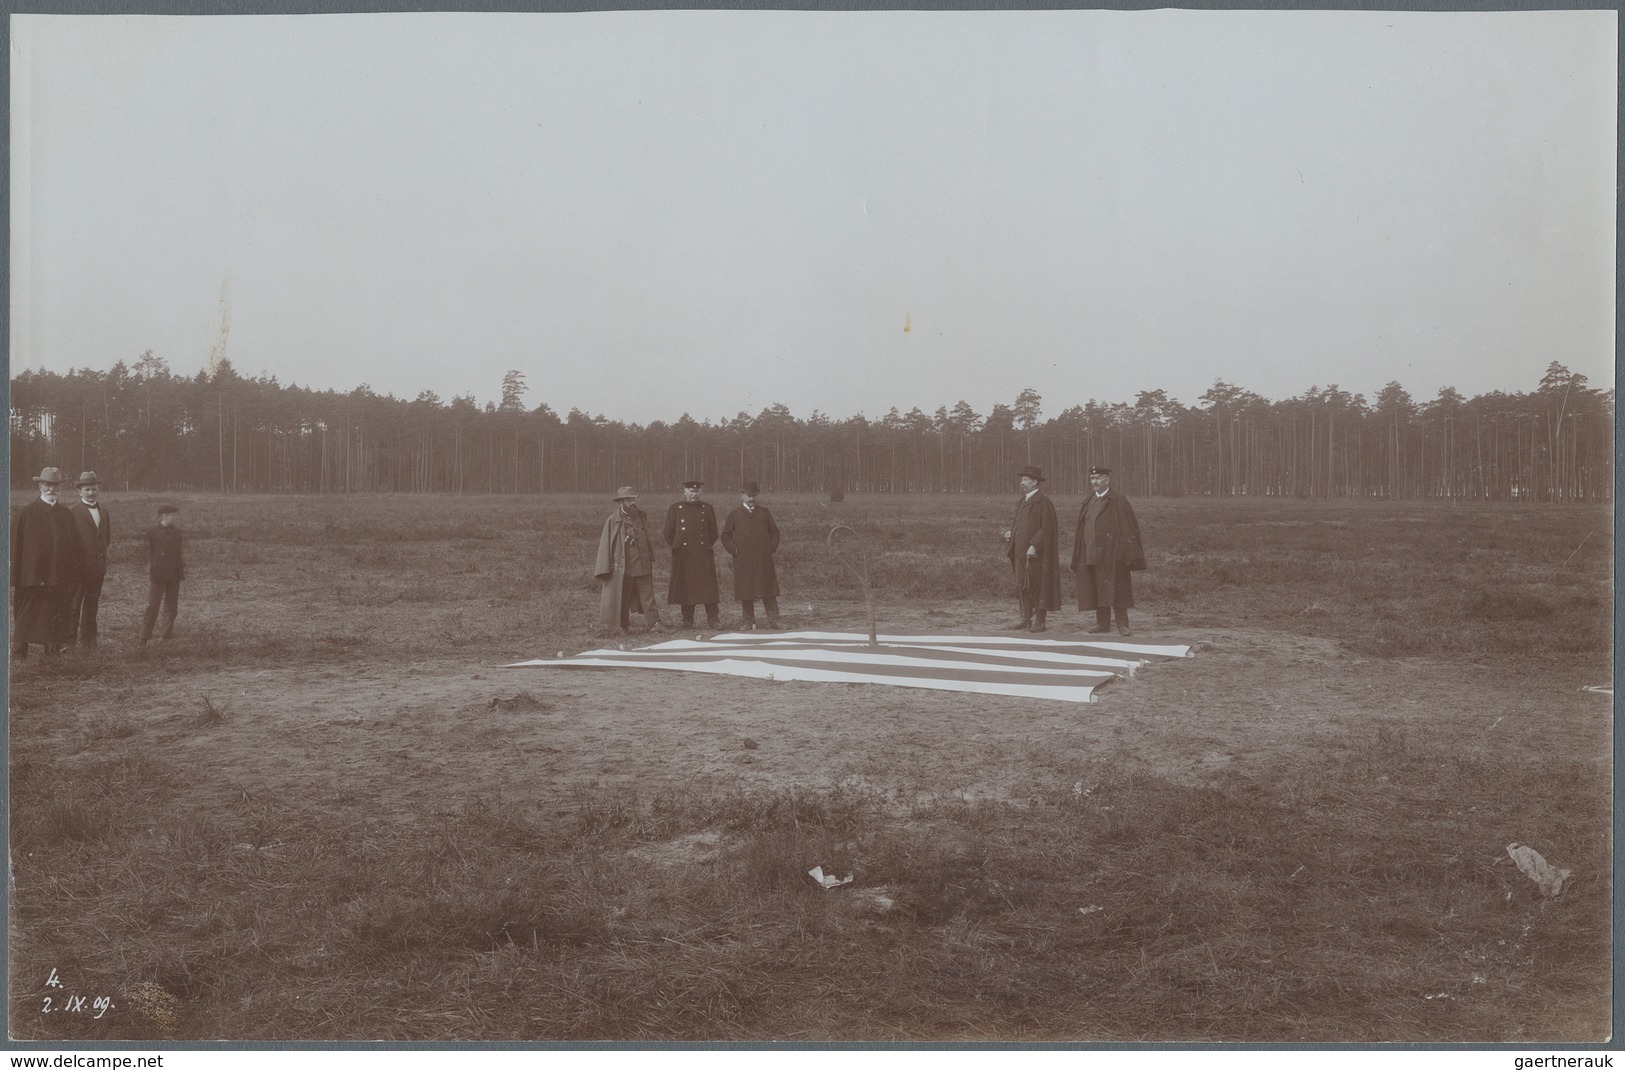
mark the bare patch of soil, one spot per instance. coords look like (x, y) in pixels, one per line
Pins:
(402, 737)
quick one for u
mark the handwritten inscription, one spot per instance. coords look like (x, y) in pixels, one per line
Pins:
(64, 1002)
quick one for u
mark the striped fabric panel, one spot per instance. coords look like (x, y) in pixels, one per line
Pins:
(997, 665)
(1107, 648)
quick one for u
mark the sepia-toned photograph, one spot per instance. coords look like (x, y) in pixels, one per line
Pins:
(798, 527)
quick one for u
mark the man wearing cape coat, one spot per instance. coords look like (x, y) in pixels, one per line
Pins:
(1035, 553)
(45, 570)
(1105, 551)
(625, 566)
(691, 532)
(752, 538)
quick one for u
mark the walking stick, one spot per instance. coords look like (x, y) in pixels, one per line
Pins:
(862, 575)
(1574, 551)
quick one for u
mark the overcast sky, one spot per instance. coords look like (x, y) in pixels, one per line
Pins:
(652, 213)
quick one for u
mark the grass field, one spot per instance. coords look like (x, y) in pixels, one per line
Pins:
(323, 812)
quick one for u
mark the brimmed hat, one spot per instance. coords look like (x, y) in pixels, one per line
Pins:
(626, 494)
(50, 475)
(1034, 471)
(693, 482)
(87, 479)
(751, 487)
(1099, 470)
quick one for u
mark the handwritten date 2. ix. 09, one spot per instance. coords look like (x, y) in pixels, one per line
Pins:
(74, 1004)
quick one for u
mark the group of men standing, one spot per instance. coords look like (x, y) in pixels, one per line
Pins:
(625, 565)
(59, 563)
(1106, 551)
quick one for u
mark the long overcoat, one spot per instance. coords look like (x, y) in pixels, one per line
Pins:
(1035, 525)
(691, 532)
(44, 573)
(44, 546)
(1116, 553)
(752, 539)
(610, 567)
(94, 540)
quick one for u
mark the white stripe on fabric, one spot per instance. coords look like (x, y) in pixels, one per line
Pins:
(1065, 670)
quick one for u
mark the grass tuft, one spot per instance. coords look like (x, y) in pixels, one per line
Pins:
(211, 715)
(524, 700)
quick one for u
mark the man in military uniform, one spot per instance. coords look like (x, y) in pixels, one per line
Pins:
(691, 532)
(1105, 550)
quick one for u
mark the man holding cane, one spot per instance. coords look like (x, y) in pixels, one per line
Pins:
(1035, 555)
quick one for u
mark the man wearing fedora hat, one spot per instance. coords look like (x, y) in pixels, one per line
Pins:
(95, 530)
(691, 532)
(752, 538)
(44, 570)
(1035, 555)
(625, 567)
(1105, 551)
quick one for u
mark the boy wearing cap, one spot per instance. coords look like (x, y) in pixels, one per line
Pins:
(94, 528)
(625, 567)
(1105, 550)
(44, 570)
(691, 532)
(752, 538)
(1035, 556)
(165, 570)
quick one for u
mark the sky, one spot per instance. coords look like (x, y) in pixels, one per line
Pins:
(655, 213)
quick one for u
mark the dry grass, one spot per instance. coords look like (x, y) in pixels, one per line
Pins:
(1352, 892)
(334, 578)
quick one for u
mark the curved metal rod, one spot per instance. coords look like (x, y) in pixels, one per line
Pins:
(862, 574)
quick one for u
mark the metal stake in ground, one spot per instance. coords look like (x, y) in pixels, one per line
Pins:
(861, 573)
(1574, 551)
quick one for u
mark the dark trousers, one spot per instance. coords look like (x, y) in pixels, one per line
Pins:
(168, 593)
(1103, 616)
(638, 591)
(1031, 601)
(87, 599)
(712, 616)
(747, 609)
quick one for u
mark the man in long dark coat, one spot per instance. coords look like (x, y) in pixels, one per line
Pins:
(1105, 552)
(691, 532)
(625, 566)
(44, 570)
(1035, 553)
(95, 530)
(751, 539)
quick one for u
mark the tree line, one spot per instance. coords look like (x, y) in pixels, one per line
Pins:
(142, 427)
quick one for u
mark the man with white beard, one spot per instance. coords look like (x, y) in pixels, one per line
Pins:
(44, 570)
